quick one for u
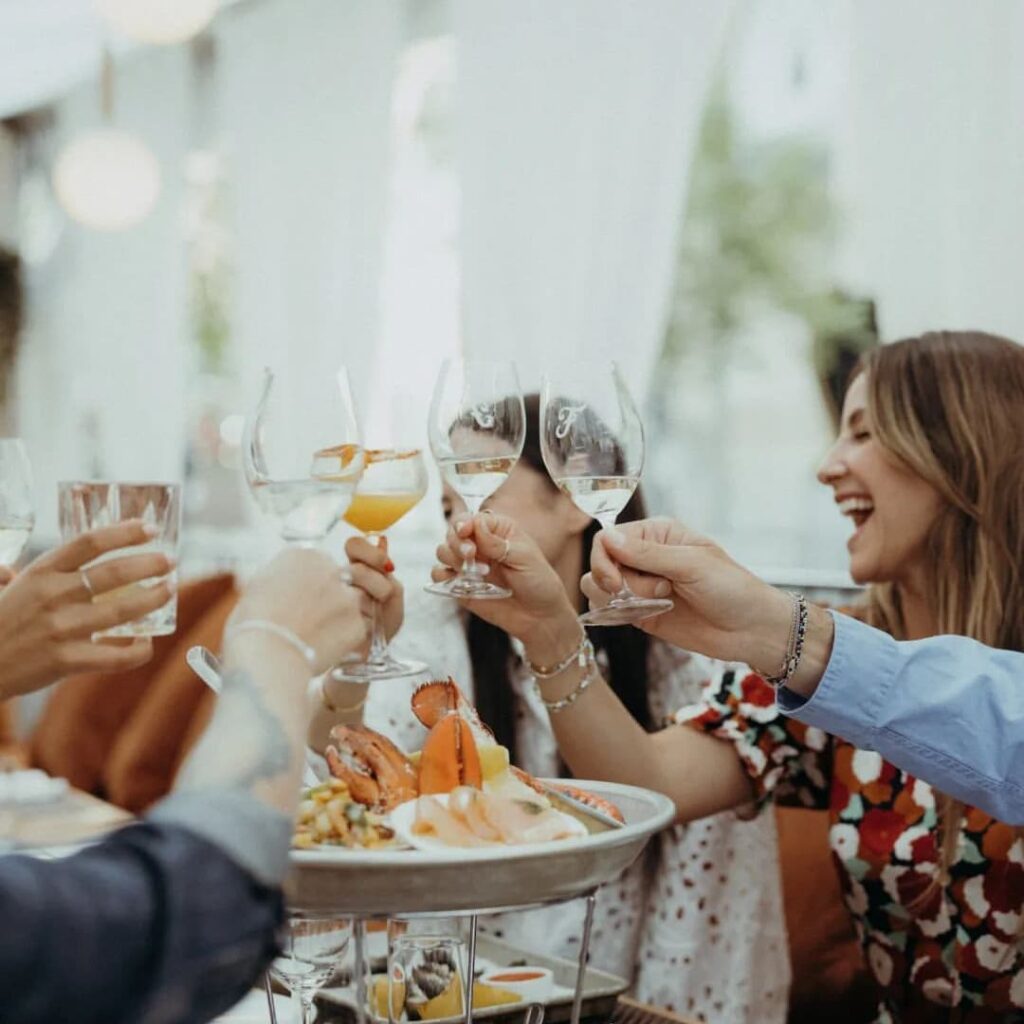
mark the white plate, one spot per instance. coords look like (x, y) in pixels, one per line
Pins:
(403, 816)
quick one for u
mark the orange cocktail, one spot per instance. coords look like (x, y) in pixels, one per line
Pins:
(375, 513)
(393, 482)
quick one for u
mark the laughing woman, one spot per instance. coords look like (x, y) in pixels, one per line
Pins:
(929, 465)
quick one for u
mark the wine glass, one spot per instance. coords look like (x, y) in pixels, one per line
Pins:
(17, 507)
(592, 441)
(302, 456)
(393, 482)
(311, 950)
(477, 429)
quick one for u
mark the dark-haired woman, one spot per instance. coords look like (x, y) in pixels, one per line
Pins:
(698, 925)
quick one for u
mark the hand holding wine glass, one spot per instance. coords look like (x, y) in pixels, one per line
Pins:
(592, 441)
(477, 429)
(302, 455)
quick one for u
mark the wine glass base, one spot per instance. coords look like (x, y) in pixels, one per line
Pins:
(386, 668)
(622, 613)
(468, 589)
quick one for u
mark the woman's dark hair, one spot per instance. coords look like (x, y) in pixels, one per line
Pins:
(490, 650)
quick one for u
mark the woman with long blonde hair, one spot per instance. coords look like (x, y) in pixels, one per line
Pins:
(929, 466)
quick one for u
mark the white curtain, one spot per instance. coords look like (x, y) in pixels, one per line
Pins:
(306, 93)
(101, 375)
(303, 96)
(576, 123)
(931, 163)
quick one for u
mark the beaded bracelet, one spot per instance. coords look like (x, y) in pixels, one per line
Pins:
(584, 658)
(554, 706)
(794, 645)
(283, 632)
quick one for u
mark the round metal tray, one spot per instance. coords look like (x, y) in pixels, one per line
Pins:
(394, 883)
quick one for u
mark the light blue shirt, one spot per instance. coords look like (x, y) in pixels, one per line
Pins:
(948, 710)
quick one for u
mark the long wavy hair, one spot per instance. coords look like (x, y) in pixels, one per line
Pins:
(950, 406)
(490, 650)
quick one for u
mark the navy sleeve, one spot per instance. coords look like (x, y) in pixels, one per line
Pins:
(150, 926)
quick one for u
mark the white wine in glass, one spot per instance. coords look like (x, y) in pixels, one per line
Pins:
(303, 458)
(592, 441)
(17, 505)
(477, 429)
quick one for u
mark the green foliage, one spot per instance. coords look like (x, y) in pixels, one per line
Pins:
(758, 229)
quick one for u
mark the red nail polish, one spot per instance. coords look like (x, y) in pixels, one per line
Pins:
(389, 566)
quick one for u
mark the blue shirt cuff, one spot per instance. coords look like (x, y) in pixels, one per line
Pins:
(849, 698)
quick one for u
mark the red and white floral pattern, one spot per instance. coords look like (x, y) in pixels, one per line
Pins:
(929, 947)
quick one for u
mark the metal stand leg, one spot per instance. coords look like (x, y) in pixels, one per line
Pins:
(588, 923)
(359, 940)
(471, 969)
(270, 998)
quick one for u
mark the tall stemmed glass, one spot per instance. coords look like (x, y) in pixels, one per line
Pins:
(592, 441)
(311, 950)
(393, 482)
(302, 456)
(17, 506)
(477, 428)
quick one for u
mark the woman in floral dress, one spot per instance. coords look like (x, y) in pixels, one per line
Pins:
(656, 924)
(929, 465)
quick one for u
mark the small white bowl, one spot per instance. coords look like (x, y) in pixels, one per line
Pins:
(535, 984)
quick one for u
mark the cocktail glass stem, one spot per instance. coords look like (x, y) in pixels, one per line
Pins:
(378, 653)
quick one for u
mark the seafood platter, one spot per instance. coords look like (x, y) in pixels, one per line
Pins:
(454, 827)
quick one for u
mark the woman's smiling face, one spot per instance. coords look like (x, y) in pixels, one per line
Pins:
(892, 508)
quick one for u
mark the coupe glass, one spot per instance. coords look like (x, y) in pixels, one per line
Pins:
(311, 952)
(393, 482)
(592, 441)
(17, 508)
(477, 428)
(302, 455)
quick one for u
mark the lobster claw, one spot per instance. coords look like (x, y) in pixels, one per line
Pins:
(450, 757)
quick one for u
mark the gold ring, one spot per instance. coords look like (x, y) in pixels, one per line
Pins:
(504, 554)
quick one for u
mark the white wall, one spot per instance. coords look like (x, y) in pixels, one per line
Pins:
(930, 163)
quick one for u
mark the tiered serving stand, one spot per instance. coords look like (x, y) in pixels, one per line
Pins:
(408, 884)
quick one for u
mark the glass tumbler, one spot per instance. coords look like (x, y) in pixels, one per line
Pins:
(426, 970)
(88, 505)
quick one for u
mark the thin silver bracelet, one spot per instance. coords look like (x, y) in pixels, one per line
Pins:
(794, 645)
(283, 632)
(576, 657)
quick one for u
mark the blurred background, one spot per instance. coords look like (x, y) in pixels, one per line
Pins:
(732, 199)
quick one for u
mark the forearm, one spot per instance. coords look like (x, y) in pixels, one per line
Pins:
(171, 906)
(600, 739)
(239, 788)
(946, 709)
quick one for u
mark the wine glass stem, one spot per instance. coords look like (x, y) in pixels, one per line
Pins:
(470, 568)
(623, 593)
(306, 1001)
